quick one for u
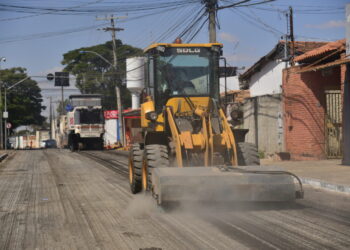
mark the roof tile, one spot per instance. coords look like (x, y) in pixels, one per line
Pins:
(331, 46)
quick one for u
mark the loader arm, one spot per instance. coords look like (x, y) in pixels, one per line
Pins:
(194, 155)
(206, 142)
(175, 135)
(229, 138)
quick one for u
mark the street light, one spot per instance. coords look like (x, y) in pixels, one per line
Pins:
(5, 112)
(120, 112)
(97, 54)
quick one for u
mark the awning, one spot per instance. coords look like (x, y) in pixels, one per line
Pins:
(324, 66)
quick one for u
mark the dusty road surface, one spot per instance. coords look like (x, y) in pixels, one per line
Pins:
(54, 199)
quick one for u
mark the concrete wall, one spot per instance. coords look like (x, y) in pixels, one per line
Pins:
(268, 80)
(263, 117)
(232, 83)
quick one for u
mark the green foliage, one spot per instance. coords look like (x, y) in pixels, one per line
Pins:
(95, 76)
(261, 154)
(23, 101)
(62, 109)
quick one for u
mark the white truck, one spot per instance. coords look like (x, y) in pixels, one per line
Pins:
(85, 122)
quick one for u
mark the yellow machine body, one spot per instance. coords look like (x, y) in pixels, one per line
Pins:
(189, 149)
(206, 142)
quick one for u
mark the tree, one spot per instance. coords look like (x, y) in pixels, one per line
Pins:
(23, 101)
(95, 76)
(61, 109)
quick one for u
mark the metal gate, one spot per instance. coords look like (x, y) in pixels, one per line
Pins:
(333, 124)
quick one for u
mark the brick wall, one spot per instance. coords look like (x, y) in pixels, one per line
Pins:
(304, 111)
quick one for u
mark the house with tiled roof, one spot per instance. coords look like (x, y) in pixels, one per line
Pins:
(313, 101)
(265, 76)
(263, 111)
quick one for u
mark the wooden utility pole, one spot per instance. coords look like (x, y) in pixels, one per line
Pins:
(113, 31)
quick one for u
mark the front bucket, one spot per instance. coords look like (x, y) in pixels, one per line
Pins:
(215, 184)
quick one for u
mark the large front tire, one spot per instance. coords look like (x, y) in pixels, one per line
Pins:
(247, 154)
(155, 156)
(135, 168)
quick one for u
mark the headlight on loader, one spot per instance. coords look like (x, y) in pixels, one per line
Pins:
(151, 116)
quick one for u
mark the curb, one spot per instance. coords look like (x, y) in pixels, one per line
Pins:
(3, 157)
(326, 185)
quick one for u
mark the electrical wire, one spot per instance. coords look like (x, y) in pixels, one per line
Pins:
(50, 12)
(48, 34)
(116, 7)
(258, 24)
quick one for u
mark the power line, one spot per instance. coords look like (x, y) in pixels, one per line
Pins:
(258, 24)
(48, 34)
(50, 12)
(120, 7)
(159, 10)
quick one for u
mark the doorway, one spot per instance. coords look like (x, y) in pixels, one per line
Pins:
(333, 123)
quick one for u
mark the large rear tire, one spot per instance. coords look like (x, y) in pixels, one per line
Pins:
(135, 168)
(155, 156)
(73, 144)
(247, 154)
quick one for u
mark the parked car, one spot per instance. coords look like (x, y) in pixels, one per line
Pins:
(50, 143)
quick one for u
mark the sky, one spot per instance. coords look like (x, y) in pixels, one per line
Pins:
(36, 33)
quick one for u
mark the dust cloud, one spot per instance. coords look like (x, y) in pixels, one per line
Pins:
(141, 205)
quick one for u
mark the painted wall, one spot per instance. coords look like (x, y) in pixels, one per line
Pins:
(232, 83)
(268, 80)
(263, 117)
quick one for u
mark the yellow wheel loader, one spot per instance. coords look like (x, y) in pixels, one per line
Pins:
(189, 151)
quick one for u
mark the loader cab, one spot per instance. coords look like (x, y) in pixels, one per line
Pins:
(182, 70)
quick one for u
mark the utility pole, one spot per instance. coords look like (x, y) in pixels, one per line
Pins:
(62, 101)
(286, 51)
(5, 127)
(113, 30)
(291, 35)
(50, 117)
(286, 45)
(1, 118)
(120, 115)
(211, 6)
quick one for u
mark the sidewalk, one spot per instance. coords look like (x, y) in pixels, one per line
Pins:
(3, 155)
(327, 174)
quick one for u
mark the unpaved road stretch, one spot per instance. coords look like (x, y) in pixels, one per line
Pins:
(54, 199)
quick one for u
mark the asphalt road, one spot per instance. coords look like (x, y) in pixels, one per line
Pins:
(54, 199)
